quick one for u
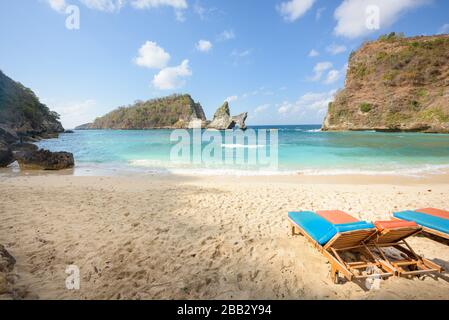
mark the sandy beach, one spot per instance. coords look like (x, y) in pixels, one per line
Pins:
(179, 237)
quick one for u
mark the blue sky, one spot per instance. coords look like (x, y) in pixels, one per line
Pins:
(280, 60)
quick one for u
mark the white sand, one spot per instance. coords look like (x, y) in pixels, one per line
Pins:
(198, 237)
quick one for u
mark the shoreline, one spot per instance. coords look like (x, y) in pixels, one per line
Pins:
(441, 177)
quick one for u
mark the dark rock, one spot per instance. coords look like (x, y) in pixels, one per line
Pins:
(7, 261)
(45, 160)
(69, 131)
(6, 155)
(7, 134)
(20, 149)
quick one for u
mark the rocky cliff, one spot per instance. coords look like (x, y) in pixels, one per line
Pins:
(22, 112)
(395, 84)
(22, 117)
(223, 120)
(176, 111)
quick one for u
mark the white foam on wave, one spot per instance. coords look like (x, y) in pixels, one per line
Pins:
(158, 166)
(242, 146)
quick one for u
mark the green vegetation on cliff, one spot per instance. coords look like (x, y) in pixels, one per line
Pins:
(22, 111)
(395, 84)
(175, 111)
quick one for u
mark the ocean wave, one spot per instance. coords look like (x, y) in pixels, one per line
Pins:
(242, 146)
(314, 130)
(148, 166)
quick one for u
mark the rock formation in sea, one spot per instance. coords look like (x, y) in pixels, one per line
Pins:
(175, 111)
(395, 84)
(223, 120)
(44, 160)
(24, 118)
(172, 112)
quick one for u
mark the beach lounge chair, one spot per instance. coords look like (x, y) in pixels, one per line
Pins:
(342, 244)
(392, 235)
(433, 221)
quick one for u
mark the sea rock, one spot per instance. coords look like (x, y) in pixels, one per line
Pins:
(223, 121)
(240, 120)
(20, 149)
(45, 160)
(69, 131)
(6, 155)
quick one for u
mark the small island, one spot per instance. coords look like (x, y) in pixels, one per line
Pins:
(172, 112)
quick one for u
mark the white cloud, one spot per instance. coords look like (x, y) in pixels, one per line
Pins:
(444, 29)
(332, 76)
(294, 9)
(310, 105)
(319, 69)
(226, 35)
(104, 5)
(319, 13)
(172, 77)
(204, 46)
(152, 56)
(284, 108)
(241, 54)
(313, 53)
(57, 5)
(261, 109)
(336, 49)
(352, 16)
(75, 113)
(180, 16)
(231, 99)
(205, 13)
(147, 4)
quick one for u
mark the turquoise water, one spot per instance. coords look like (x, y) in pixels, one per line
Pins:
(301, 149)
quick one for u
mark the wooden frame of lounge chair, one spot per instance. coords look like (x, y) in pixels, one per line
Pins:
(435, 233)
(395, 238)
(347, 241)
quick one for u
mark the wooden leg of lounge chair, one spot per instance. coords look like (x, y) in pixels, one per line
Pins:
(334, 275)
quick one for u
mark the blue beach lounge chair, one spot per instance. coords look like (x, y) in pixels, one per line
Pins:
(335, 240)
(433, 221)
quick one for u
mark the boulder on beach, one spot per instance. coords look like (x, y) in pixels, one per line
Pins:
(6, 155)
(7, 263)
(45, 160)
